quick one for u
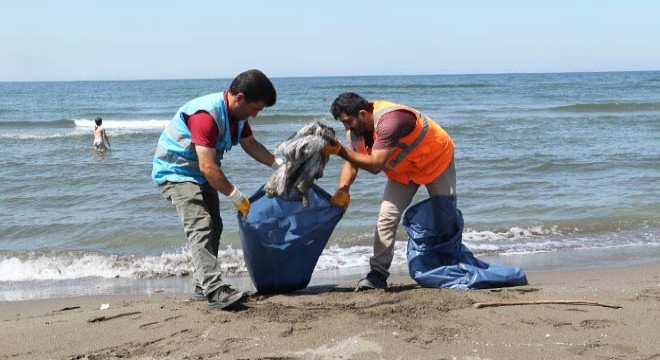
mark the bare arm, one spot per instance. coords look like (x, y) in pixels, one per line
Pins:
(212, 171)
(347, 176)
(257, 151)
(105, 137)
(373, 163)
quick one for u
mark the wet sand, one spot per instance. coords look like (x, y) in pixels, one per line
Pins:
(333, 322)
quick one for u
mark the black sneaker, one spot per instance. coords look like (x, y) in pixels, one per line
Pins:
(224, 297)
(373, 280)
(198, 295)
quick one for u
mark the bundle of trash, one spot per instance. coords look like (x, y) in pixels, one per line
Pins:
(304, 162)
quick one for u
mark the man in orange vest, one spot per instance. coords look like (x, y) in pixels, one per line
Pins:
(409, 147)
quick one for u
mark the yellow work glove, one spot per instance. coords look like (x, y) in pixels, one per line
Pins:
(332, 149)
(341, 198)
(241, 203)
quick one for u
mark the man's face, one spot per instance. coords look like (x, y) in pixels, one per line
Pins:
(245, 109)
(356, 124)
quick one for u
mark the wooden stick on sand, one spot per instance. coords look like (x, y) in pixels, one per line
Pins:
(536, 302)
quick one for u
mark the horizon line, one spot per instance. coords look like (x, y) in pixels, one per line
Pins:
(332, 76)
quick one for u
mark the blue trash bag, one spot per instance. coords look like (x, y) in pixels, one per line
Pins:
(438, 259)
(282, 240)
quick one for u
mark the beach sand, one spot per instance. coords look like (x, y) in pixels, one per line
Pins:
(333, 322)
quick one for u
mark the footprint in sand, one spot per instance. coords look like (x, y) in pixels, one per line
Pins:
(596, 323)
(652, 294)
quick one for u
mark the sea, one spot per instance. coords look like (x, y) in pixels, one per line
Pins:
(554, 171)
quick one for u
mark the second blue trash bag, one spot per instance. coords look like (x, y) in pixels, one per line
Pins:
(282, 240)
(437, 257)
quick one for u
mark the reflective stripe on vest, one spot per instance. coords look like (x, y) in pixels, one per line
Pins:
(420, 156)
(358, 142)
(174, 159)
(174, 134)
(406, 148)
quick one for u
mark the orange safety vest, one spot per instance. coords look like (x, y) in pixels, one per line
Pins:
(419, 157)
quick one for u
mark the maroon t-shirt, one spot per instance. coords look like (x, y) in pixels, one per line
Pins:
(391, 128)
(204, 130)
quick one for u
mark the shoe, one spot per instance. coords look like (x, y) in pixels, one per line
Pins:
(198, 294)
(224, 297)
(373, 280)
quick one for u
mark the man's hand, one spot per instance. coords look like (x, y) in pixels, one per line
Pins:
(341, 198)
(241, 203)
(332, 149)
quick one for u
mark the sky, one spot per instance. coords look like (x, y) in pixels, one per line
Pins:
(51, 40)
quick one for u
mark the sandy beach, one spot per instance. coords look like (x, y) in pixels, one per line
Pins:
(334, 322)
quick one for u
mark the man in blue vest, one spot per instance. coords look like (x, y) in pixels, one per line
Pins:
(187, 168)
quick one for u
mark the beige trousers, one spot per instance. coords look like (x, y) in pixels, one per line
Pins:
(396, 199)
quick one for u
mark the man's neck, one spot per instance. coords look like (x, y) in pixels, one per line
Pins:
(229, 103)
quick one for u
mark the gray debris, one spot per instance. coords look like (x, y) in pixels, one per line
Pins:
(303, 163)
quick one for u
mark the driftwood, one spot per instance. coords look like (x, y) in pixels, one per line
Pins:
(106, 318)
(67, 308)
(537, 302)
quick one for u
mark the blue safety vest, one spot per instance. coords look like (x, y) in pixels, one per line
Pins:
(175, 159)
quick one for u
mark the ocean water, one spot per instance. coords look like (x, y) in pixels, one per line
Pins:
(566, 165)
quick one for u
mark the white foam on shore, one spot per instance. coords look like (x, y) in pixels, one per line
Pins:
(123, 124)
(84, 127)
(75, 265)
(512, 234)
(68, 265)
(65, 266)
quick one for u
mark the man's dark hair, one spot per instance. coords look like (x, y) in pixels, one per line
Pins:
(255, 85)
(98, 121)
(350, 104)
